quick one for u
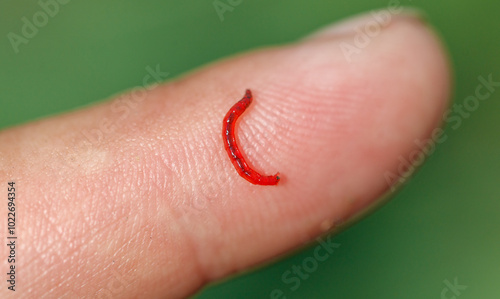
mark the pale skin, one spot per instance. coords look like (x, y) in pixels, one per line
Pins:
(154, 208)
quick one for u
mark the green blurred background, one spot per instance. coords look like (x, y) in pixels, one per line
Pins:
(443, 225)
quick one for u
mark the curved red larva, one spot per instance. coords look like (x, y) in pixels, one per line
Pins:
(228, 135)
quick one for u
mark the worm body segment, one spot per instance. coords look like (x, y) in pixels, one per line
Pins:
(235, 155)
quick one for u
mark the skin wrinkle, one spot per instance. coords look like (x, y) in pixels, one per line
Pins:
(143, 210)
(303, 131)
(137, 233)
(191, 243)
(66, 278)
(183, 211)
(49, 265)
(161, 170)
(61, 237)
(205, 141)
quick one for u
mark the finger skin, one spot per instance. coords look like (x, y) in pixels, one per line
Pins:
(137, 196)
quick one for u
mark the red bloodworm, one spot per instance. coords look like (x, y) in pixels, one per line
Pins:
(228, 135)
